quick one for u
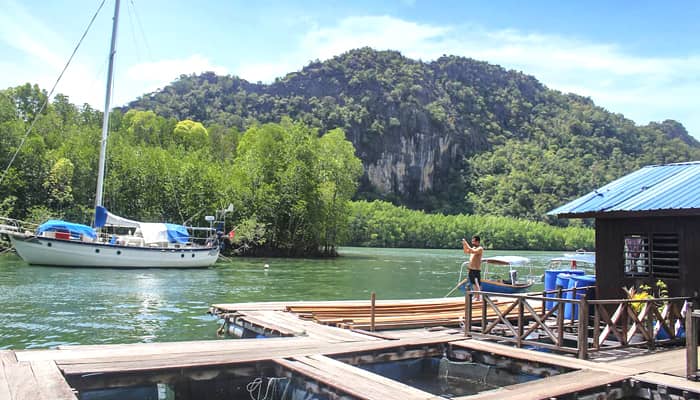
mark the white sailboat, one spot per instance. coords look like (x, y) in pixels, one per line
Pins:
(149, 245)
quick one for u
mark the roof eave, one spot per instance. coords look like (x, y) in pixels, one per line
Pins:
(682, 212)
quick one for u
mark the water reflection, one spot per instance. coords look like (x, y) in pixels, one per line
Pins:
(50, 306)
(148, 320)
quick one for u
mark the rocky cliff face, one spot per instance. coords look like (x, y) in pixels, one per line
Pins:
(416, 125)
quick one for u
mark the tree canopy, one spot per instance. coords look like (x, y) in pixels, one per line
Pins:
(290, 186)
(454, 135)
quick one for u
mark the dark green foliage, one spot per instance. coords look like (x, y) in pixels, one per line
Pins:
(381, 224)
(295, 184)
(290, 186)
(454, 135)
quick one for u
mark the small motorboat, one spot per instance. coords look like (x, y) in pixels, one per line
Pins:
(580, 259)
(499, 280)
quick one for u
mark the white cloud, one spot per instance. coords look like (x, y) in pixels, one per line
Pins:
(20, 30)
(39, 55)
(643, 88)
(379, 32)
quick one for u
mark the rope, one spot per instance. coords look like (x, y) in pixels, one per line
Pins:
(227, 259)
(271, 389)
(143, 34)
(46, 101)
(149, 56)
(7, 250)
(461, 267)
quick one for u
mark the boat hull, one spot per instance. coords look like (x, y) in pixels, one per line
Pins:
(500, 287)
(68, 253)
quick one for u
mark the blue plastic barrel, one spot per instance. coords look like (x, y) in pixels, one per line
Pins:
(578, 281)
(550, 282)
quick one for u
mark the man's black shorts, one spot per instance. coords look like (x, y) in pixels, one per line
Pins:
(474, 274)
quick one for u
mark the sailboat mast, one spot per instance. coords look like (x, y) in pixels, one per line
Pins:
(105, 119)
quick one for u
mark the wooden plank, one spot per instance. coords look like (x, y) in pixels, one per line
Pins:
(322, 331)
(354, 381)
(258, 319)
(273, 348)
(232, 307)
(551, 387)
(404, 391)
(379, 386)
(537, 356)
(6, 357)
(51, 383)
(20, 379)
(662, 361)
(313, 373)
(136, 350)
(669, 381)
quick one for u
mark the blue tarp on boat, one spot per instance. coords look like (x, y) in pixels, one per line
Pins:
(177, 233)
(151, 232)
(56, 225)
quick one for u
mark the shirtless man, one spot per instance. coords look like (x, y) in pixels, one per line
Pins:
(475, 252)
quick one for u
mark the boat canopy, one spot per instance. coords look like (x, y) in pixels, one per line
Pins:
(588, 258)
(55, 225)
(150, 231)
(106, 218)
(506, 260)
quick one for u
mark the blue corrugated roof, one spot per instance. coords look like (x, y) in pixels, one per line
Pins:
(652, 188)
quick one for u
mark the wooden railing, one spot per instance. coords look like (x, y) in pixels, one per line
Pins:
(637, 321)
(611, 324)
(522, 324)
(692, 321)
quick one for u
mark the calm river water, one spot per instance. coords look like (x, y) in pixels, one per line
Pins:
(43, 307)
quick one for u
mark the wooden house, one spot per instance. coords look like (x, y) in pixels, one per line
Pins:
(647, 228)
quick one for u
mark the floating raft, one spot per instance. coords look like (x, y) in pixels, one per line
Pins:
(328, 359)
(300, 318)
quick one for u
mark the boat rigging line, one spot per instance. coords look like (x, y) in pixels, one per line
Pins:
(46, 101)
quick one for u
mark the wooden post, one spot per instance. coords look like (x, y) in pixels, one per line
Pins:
(544, 303)
(596, 326)
(560, 320)
(521, 321)
(624, 324)
(483, 312)
(372, 311)
(573, 308)
(583, 328)
(467, 313)
(691, 341)
(649, 325)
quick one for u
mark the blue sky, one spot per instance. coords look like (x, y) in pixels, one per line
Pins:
(639, 58)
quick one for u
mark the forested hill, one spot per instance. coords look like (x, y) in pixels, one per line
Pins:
(452, 135)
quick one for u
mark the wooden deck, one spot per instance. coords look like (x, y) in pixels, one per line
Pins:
(39, 379)
(353, 315)
(662, 367)
(313, 351)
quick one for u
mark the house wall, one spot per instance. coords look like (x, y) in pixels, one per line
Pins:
(610, 271)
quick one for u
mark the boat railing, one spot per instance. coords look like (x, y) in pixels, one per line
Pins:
(576, 324)
(138, 241)
(507, 273)
(17, 227)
